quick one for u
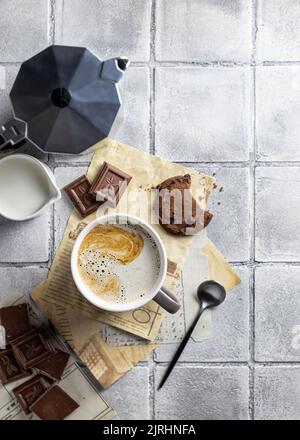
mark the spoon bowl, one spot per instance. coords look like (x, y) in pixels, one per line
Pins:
(210, 294)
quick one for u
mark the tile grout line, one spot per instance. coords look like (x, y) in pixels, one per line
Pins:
(231, 364)
(151, 379)
(211, 164)
(252, 212)
(152, 77)
(152, 111)
(51, 160)
(23, 264)
(51, 21)
(174, 64)
(151, 386)
(187, 64)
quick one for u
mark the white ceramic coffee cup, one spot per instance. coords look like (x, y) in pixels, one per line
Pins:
(158, 293)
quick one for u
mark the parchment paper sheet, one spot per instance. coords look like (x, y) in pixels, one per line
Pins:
(77, 320)
(146, 171)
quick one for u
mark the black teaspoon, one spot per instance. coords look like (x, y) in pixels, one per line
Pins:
(210, 294)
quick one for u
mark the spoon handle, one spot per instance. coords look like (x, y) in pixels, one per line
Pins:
(180, 348)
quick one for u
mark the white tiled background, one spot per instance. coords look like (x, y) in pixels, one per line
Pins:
(214, 84)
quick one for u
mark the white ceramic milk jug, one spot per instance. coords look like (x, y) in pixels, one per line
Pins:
(27, 187)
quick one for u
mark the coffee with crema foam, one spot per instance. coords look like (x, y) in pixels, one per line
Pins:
(119, 263)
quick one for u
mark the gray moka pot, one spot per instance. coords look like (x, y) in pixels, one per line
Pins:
(65, 99)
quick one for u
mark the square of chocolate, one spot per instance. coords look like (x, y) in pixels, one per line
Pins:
(28, 392)
(15, 321)
(54, 404)
(10, 370)
(78, 192)
(32, 347)
(110, 184)
(54, 365)
(171, 267)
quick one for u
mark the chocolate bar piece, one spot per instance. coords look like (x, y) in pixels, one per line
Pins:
(28, 392)
(15, 320)
(54, 366)
(78, 191)
(54, 404)
(32, 347)
(110, 184)
(10, 370)
(171, 267)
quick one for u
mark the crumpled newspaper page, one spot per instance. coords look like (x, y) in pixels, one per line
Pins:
(107, 364)
(75, 381)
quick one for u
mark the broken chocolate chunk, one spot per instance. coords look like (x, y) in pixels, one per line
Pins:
(171, 268)
(54, 404)
(178, 211)
(15, 321)
(10, 370)
(32, 347)
(54, 365)
(28, 392)
(110, 184)
(78, 192)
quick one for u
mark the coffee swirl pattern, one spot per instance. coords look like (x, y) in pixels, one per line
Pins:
(112, 259)
(115, 242)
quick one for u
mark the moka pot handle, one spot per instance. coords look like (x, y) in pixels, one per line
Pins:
(13, 134)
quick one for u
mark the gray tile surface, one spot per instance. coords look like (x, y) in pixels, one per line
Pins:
(124, 28)
(203, 393)
(276, 393)
(214, 84)
(132, 123)
(20, 279)
(278, 25)
(25, 241)
(23, 28)
(278, 131)
(231, 208)
(202, 114)
(130, 395)
(277, 314)
(277, 214)
(207, 30)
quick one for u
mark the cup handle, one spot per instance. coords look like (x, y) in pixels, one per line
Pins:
(167, 300)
